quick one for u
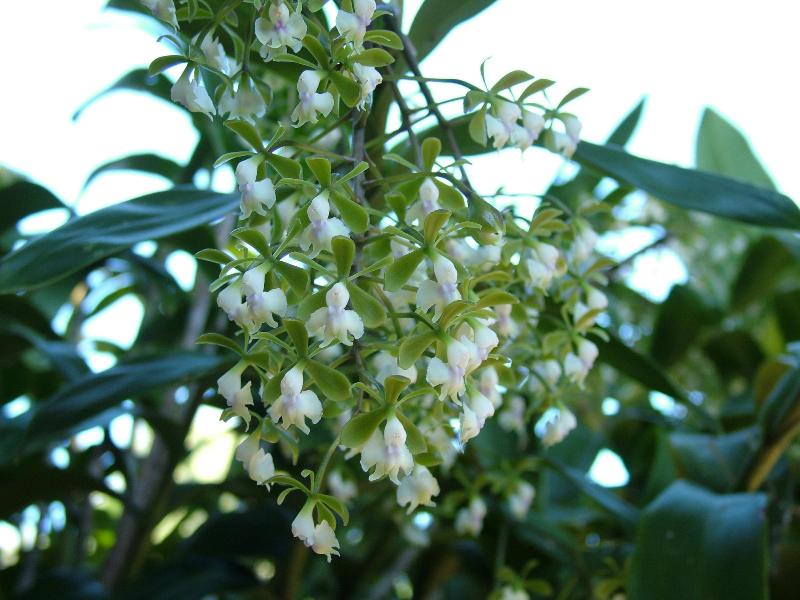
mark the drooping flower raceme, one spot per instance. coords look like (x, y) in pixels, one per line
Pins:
(238, 396)
(320, 537)
(333, 322)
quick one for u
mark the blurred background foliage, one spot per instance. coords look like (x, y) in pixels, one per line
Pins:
(698, 396)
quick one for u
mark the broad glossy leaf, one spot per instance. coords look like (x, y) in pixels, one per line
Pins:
(23, 198)
(695, 190)
(717, 462)
(696, 545)
(762, 268)
(100, 234)
(681, 319)
(721, 148)
(82, 399)
(147, 163)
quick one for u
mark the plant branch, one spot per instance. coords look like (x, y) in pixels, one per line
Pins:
(410, 54)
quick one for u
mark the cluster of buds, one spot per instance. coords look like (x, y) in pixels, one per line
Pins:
(385, 313)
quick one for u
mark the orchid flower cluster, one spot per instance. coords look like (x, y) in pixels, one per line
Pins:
(379, 302)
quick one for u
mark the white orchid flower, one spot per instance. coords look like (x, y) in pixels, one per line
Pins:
(294, 406)
(322, 229)
(387, 453)
(311, 103)
(369, 78)
(519, 501)
(505, 325)
(162, 9)
(214, 52)
(333, 322)
(257, 196)
(191, 93)
(501, 127)
(246, 103)
(438, 294)
(557, 426)
(418, 489)
(427, 203)
(450, 375)
(469, 520)
(353, 26)
(283, 29)
(386, 365)
(261, 467)
(542, 265)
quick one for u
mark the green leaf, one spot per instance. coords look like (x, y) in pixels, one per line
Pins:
(314, 46)
(763, 267)
(162, 63)
(695, 545)
(331, 382)
(495, 297)
(680, 320)
(321, 168)
(477, 128)
(626, 513)
(535, 87)
(82, 399)
(623, 132)
(296, 277)
(781, 401)
(436, 18)
(510, 80)
(434, 221)
(372, 312)
(147, 163)
(353, 215)
(393, 386)
(637, 366)
(384, 37)
(311, 303)
(297, 332)
(354, 172)
(722, 149)
(100, 234)
(253, 237)
(717, 462)
(374, 57)
(413, 347)
(359, 429)
(414, 439)
(694, 190)
(399, 271)
(248, 132)
(572, 95)
(449, 197)
(428, 459)
(431, 148)
(344, 251)
(23, 198)
(217, 339)
(349, 89)
(138, 80)
(287, 167)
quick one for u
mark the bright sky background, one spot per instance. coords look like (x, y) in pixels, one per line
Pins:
(684, 55)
